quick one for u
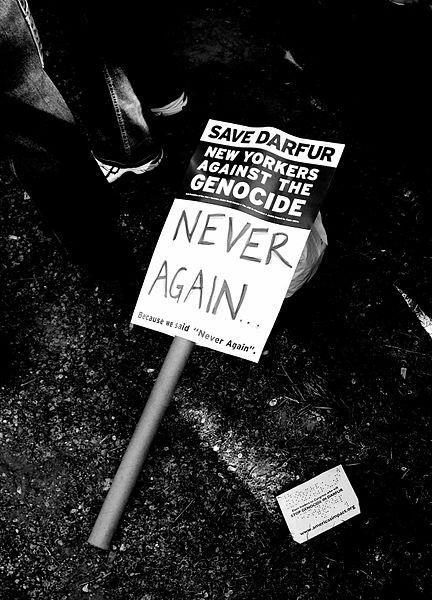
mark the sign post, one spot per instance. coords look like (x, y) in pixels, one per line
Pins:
(223, 263)
(137, 450)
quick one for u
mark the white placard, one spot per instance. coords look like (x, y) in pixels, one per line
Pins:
(319, 504)
(234, 235)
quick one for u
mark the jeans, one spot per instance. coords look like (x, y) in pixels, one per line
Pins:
(127, 69)
(51, 156)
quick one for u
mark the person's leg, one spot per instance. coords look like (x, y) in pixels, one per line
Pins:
(139, 37)
(129, 77)
(115, 119)
(122, 141)
(51, 158)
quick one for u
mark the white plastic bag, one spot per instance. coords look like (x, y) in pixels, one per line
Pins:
(311, 256)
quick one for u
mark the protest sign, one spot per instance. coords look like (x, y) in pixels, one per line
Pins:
(319, 504)
(232, 240)
(223, 264)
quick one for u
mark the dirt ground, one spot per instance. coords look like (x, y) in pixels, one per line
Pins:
(203, 521)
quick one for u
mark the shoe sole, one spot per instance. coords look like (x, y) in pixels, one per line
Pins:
(138, 170)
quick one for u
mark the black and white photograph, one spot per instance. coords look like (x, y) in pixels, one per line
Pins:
(216, 300)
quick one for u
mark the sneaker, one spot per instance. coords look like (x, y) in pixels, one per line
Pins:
(113, 170)
(172, 108)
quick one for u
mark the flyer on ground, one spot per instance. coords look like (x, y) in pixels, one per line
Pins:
(234, 235)
(319, 504)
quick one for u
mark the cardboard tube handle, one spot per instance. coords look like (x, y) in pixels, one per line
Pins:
(137, 450)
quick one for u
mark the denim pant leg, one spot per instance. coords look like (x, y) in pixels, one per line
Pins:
(51, 158)
(115, 120)
(139, 73)
(120, 133)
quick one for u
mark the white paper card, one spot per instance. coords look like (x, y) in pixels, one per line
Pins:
(319, 504)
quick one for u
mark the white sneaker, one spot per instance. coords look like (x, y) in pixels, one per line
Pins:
(172, 108)
(114, 170)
